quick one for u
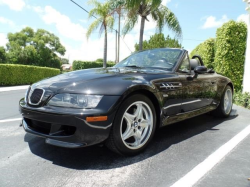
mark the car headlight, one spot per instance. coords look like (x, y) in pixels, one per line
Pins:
(75, 100)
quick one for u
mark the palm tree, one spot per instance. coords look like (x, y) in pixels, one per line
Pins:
(104, 21)
(117, 6)
(158, 12)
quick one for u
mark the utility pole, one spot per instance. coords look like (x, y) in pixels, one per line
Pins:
(246, 78)
(119, 31)
(116, 33)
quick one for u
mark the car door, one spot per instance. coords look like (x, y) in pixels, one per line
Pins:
(197, 91)
(191, 87)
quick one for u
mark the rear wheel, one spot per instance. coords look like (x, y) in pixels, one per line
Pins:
(133, 127)
(225, 107)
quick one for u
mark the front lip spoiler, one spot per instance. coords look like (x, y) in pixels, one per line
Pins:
(64, 144)
(52, 141)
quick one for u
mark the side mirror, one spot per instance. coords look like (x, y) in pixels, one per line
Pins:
(200, 70)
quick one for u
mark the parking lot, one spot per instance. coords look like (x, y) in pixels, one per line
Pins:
(25, 160)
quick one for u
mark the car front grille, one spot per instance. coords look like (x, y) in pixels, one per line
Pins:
(36, 96)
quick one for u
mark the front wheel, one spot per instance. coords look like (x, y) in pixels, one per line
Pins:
(133, 127)
(225, 107)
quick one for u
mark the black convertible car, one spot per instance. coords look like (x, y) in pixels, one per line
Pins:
(122, 106)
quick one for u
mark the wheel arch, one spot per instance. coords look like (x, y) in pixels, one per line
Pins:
(153, 97)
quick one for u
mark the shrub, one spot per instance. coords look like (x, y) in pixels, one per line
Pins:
(13, 74)
(159, 41)
(99, 60)
(230, 51)
(242, 99)
(206, 51)
(88, 64)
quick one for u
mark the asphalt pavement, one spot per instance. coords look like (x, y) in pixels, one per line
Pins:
(25, 160)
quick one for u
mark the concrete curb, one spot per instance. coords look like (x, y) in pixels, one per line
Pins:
(12, 88)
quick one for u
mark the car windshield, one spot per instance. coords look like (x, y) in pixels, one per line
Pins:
(155, 58)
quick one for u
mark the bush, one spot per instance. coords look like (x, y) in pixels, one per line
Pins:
(206, 51)
(89, 64)
(230, 51)
(242, 99)
(99, 60)
(159, 41)
(12, 74)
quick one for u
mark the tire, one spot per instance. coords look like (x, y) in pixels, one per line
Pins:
(225, 107)
(133, 127)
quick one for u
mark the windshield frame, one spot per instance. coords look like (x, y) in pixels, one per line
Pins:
(180, 57)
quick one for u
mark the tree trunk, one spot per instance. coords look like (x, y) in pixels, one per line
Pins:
(105, 48)
(141, 33)
(119, 33)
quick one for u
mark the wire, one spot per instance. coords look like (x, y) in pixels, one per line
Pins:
(96, 18)
(125, 44)
(82, 8)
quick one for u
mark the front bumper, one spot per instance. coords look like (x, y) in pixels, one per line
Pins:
(67, 127)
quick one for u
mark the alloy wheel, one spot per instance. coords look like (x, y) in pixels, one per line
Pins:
(136, 125)
(228, 101)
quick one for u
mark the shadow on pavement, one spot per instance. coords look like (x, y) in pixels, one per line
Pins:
(98, 158)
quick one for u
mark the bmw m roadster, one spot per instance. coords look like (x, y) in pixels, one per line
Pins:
(122, 106)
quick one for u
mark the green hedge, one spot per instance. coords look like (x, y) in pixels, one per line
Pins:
(13, 74)
(206, 51)
(242, 99)
(230, 51)
(77, 65)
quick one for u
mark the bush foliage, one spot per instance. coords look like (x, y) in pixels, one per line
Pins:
(242, 99)
(206, 51)
(13, 74)
(230, 51)
(159, 41)
(77, 65)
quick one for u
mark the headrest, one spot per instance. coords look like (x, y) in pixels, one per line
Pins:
(194, 63)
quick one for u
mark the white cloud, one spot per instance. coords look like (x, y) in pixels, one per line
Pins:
(3, 39)
(63, 23)
(80, 48)
(165, 2)
(16, 5)
(6, 21)
(93, 48)
(37, 9)
(212, 22)
(244, 18)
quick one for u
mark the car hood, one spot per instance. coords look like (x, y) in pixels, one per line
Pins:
(77, 81)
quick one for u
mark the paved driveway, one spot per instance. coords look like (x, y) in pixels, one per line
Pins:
(26, 160)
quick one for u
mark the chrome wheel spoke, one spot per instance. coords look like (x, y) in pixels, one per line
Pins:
(138, 138)
(128, 133)
(144, 124)
(138, 113)
(129, 118)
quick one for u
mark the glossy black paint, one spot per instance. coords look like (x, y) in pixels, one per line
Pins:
(176, 97)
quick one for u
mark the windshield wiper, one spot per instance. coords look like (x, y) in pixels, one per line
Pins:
(132, 66)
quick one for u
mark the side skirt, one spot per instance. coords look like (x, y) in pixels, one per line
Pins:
(183, 116)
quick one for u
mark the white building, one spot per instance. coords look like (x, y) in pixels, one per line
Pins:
(246, 78)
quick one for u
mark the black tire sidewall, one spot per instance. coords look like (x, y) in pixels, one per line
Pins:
(123, 149)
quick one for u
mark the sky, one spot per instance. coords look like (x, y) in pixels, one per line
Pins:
(199, 20)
